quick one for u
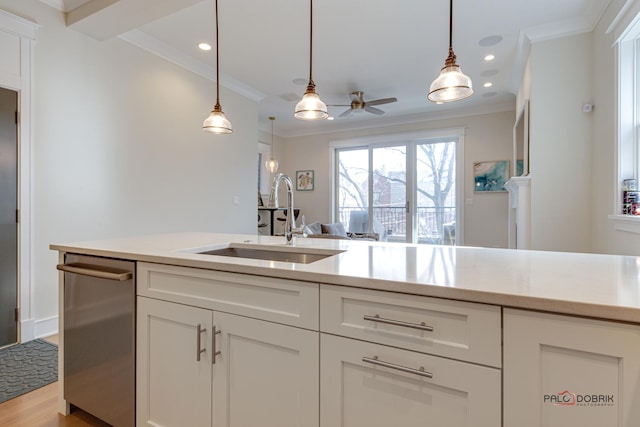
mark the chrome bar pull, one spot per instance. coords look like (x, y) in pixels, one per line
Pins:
(99, 271)
(420, 371)
(216, 331)
(421, 326)
(199, 350)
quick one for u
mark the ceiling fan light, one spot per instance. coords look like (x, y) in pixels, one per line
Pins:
(217, 122)
(451, 85)
(311, 107)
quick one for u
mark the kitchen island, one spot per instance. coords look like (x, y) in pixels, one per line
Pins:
(467, 336)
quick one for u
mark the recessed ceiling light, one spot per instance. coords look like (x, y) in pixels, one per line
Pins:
(489, 57)
(330, 118)
(489, 73)
(488, 84)
(204, 46)
(490, 41)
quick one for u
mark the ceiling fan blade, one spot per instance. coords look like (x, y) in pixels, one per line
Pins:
(373, 110)
(381, 101)
(338, 105)
(346, 113)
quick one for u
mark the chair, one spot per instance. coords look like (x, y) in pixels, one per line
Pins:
(359, 223)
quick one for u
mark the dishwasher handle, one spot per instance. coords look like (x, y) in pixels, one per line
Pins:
(100, 271)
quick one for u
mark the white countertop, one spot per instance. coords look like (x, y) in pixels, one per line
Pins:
(602, 286)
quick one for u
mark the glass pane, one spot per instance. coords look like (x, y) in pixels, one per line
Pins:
(390, 193)
(353, 188)
(436, 188)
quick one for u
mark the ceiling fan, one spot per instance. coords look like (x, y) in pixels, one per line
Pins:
(358, 103)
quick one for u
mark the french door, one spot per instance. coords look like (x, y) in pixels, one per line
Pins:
(405, 191)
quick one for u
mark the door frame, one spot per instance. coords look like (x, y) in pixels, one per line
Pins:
(410, 139)
(23, 31)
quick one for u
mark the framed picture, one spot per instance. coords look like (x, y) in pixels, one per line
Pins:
(490, 176)
(304, 180)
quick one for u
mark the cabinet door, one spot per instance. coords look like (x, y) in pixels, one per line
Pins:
(567, 371)
(173, 387)
(356, 393)
(265, 375)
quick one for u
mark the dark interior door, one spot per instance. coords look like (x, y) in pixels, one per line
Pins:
(8, 217)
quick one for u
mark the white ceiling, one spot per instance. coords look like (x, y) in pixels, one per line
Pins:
(384, 48)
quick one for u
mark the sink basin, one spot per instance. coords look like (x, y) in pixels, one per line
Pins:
(293, 254)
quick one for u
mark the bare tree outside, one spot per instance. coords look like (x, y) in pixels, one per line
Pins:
(435, 186)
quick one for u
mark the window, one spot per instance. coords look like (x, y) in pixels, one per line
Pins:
(628, 166)
(406, 188)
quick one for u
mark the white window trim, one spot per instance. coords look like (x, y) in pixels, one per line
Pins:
(628, 116)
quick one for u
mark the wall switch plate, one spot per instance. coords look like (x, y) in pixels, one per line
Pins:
(236, 200)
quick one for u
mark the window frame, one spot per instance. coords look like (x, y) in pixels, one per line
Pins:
(628, 121)
(409, 138)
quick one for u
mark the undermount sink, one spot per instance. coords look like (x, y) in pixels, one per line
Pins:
(293, 254)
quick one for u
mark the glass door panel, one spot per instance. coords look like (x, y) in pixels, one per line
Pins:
(352, 174)
(436, 193)
(389, 193)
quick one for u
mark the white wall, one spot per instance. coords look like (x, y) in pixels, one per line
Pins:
(488, 137)
(560, 144)
(118, 147)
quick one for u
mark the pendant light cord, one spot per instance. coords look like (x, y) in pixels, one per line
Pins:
(272, 119)
(450, 24)
(217, 63)
(310, 40)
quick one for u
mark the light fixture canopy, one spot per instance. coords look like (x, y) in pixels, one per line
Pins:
(217, 122)
(311, 106)
(272, 163)
(452, 84)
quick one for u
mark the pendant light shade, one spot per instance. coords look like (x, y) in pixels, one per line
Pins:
(217, 122)
(271, 164)
(451, 85)
(311, 106)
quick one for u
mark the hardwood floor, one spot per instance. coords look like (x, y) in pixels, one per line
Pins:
(40, 409)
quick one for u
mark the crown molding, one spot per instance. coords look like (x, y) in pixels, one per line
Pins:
(56, 4)
(153, 45)
(555, 30)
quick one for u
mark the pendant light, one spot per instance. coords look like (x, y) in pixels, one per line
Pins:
(217, 122)
(272, 163)
(311, 106)
(451, 85)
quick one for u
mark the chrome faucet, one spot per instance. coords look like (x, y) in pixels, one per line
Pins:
(290, 224)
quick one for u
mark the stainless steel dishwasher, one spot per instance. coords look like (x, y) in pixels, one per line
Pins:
(99, 337)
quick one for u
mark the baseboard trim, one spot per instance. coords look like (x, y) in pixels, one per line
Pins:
(46, 327)
(31, 329)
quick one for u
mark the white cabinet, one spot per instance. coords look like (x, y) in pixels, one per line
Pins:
(387, 367)
(202, 361)
(410, 390)
(173, 387)
(568, 371)
(265, 374)
(455, 329)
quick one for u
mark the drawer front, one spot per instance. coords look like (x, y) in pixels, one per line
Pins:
(283, 301)
(455, 329)
(366, 384)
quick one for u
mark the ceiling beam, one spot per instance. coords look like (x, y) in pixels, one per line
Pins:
(104, 19)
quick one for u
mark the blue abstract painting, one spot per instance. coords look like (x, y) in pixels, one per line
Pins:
(490, 176)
